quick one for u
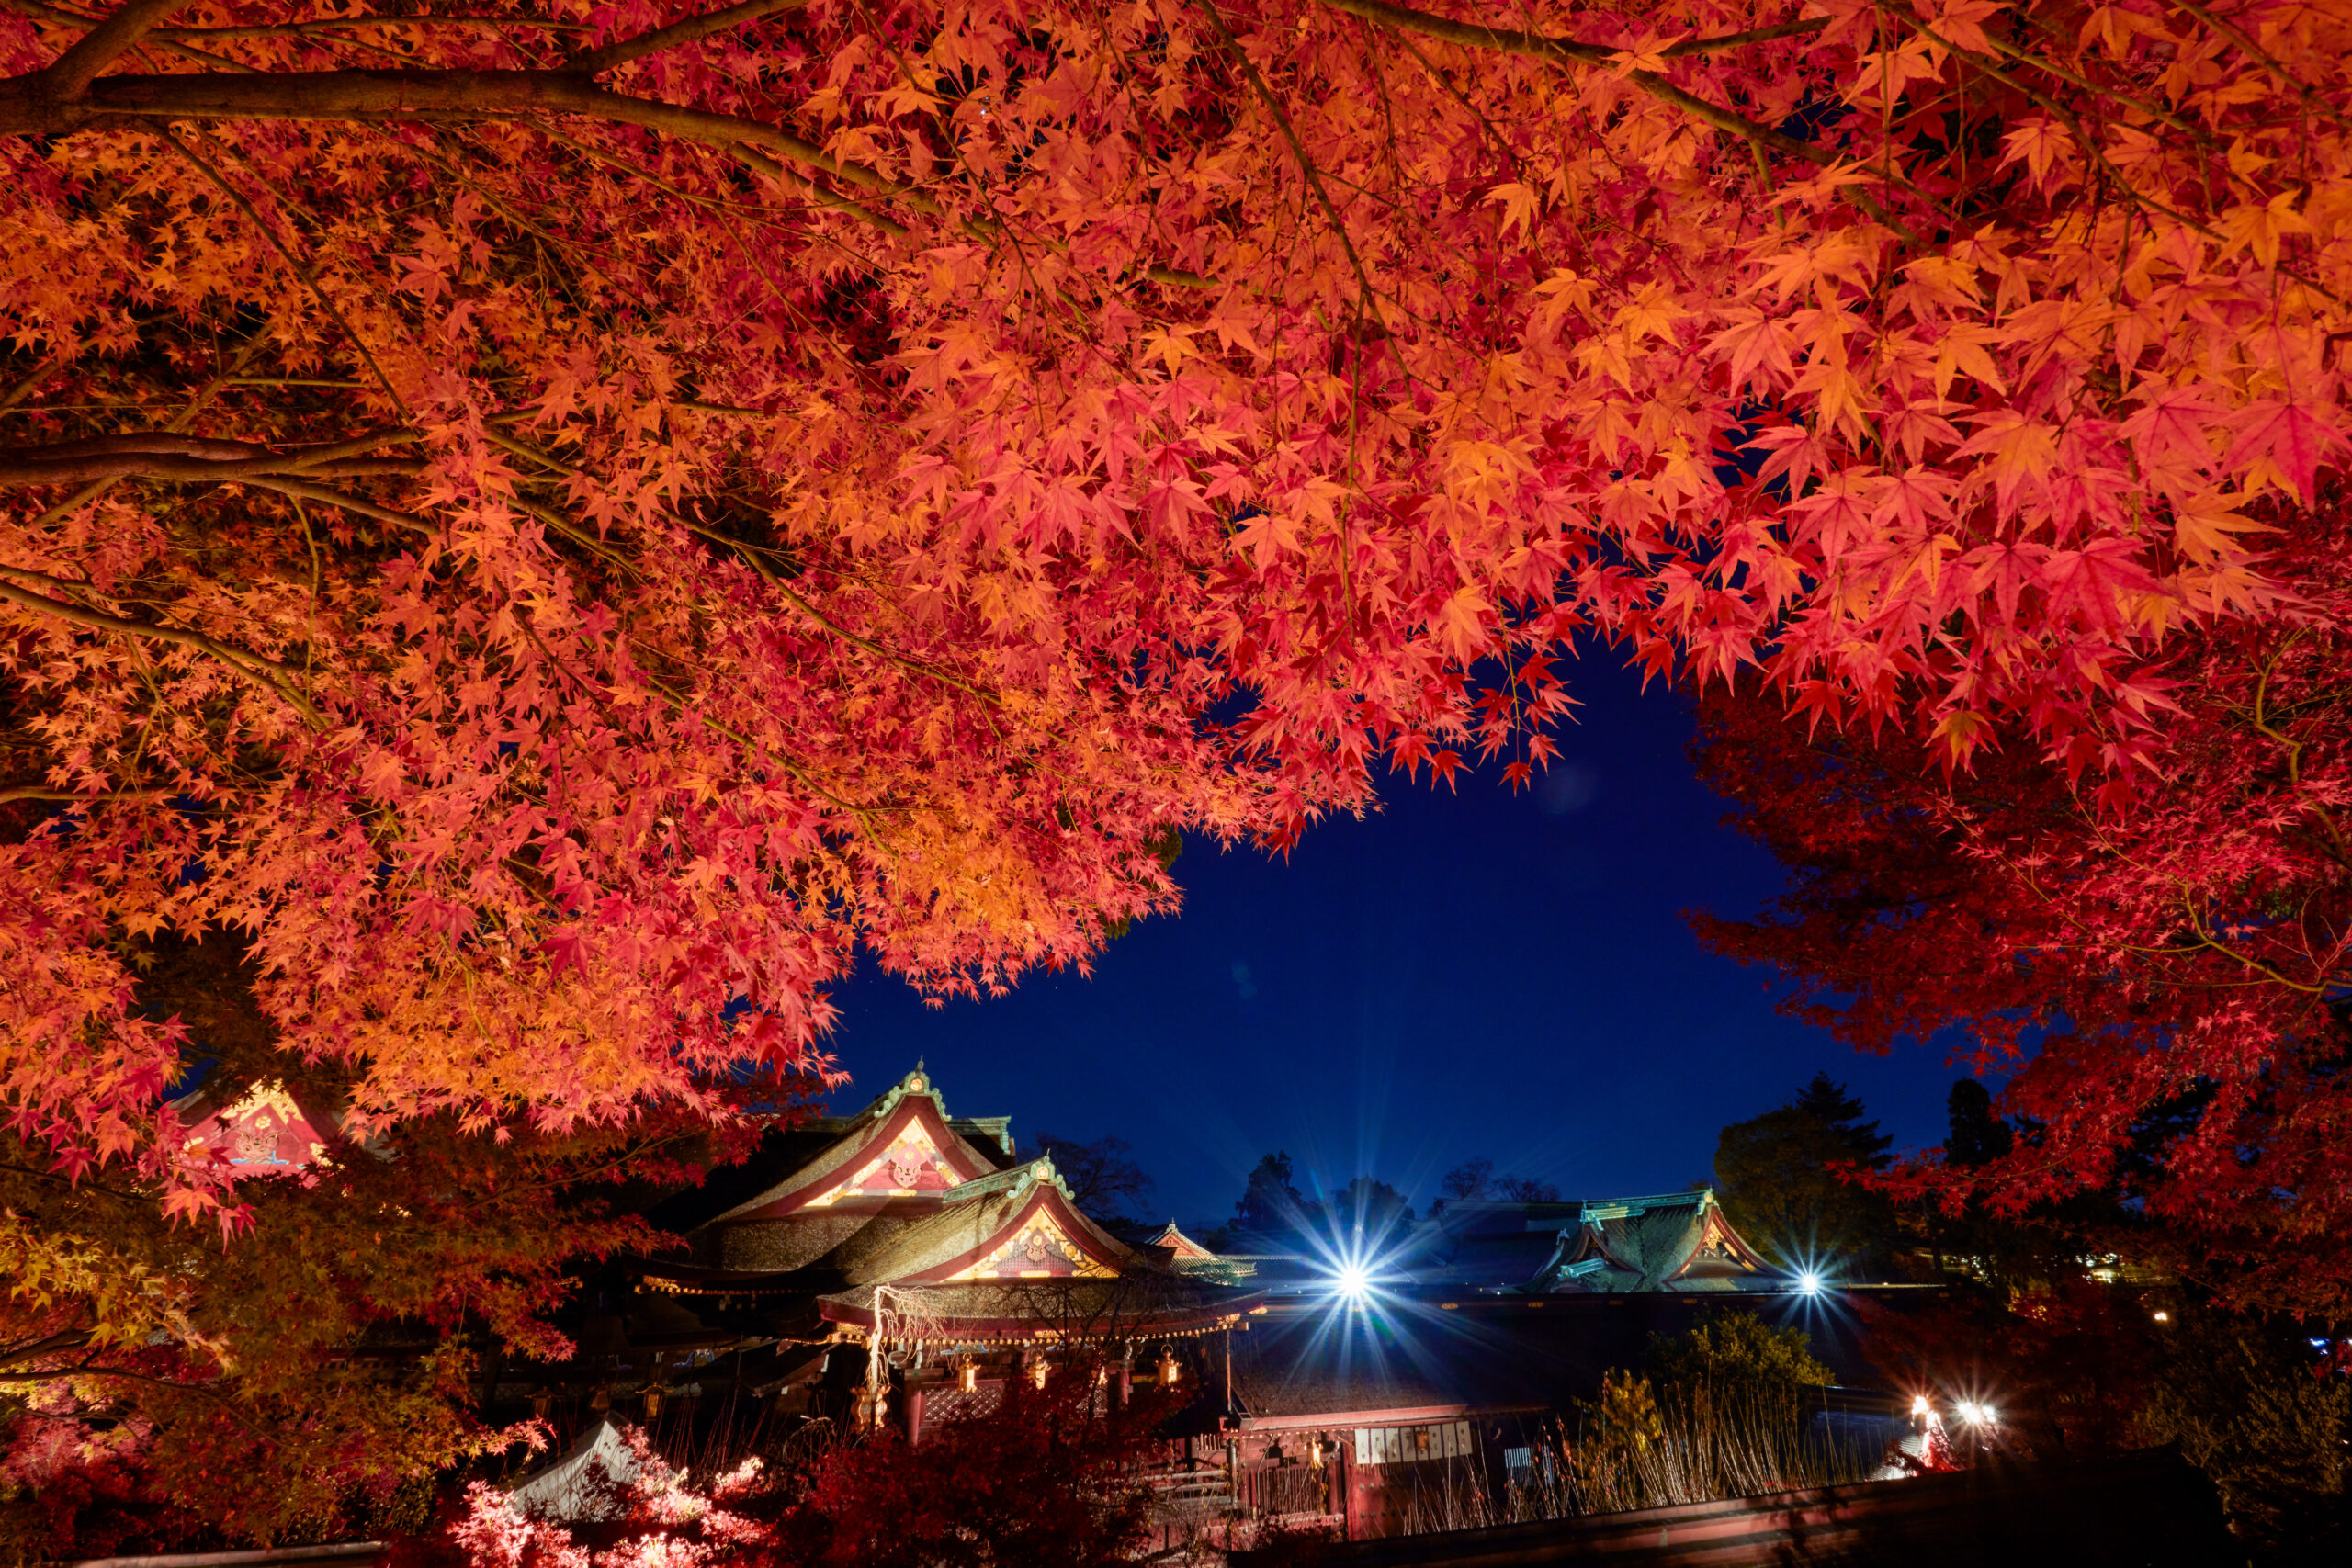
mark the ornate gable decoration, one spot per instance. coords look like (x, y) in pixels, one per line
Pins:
(1039, 1249)
(262, 1134)
(1720, 1247)
(912, 1166)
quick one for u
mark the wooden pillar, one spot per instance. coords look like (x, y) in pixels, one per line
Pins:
(1343, 1476)
(914, 1402)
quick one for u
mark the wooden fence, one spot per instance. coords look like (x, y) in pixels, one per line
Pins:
(2150, 1509)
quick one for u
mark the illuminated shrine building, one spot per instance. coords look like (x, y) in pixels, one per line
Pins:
(265, 1132)
(905, 1223)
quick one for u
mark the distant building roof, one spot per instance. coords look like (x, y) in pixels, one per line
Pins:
(1677, 1241)
(1181, 1247)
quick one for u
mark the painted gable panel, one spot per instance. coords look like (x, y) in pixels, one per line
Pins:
(1039, 1249)
(912, 1164)
(262, 1133)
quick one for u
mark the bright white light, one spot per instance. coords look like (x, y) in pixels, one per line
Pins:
(1809, 1283)
(1919, 1404)
(1968, 1412)
(1353, 1280)
(1986, 1411)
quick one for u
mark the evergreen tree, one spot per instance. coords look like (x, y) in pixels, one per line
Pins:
(1977, 1136)
(1840, 1113)
(1786, 1180)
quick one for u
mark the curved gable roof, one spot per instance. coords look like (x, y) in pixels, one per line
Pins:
(1015, 1224)
(1182, 1246)
(901, 1145)
(1650, 1243)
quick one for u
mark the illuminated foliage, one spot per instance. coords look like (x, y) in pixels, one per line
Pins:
(1044, 1477)
(559, 518)
(158, 1387)
(2161, 988)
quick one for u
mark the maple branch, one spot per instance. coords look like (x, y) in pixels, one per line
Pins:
(1540, 46)
(71, 73)
(752, 553)
(265, 673)
(2294, 747)
(11, 793)
(1537, 46)
(351, 24)
(694, 29)
(31, 384)
(160, 455)
(2264, 58)
(49, 1345)
(1298, 150)
(419, 95)
(321, 494)
(2008, 51)
(301, 271)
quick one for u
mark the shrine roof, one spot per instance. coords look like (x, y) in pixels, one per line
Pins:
(1179, 1245)
(266, 1130)
(982, 1218)
(1680, 1241)
(908, 1127)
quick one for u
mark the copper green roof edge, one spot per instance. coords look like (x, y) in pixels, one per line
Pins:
(1004, 1180)
(1698, 1197)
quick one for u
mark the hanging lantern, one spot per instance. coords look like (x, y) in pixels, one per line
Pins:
(601, 1400)
(968, 1376)
(1169, 1370)
(1039, 1371)
(542, 1403)
(1315, 1454)
(652, 1397)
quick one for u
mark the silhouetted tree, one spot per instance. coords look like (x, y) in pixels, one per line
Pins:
(1102, 1178)
(1366, 1212)
(1269, 1204)
(1475, 1179)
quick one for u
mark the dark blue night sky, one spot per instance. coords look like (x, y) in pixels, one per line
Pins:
(1455, 976)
